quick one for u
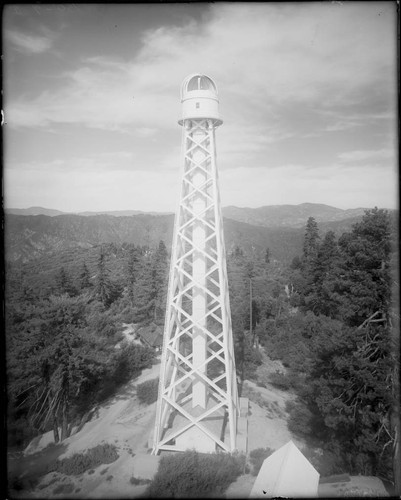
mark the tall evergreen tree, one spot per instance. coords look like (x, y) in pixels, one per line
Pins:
(267, 255)
(363, 279)
(152, 285)
(84, 277)
(311, 240)
(132, 273)
(322, 272)
(106, 291)
(350, 380)
(159, 281)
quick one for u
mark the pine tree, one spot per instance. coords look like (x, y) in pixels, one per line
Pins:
(323, 270)
(350, 381)
(311, 240)
(64, 283)
(267, 255)
(132, 273)
(106, 291)
(84, 278)
(159, 280)
(364, 282)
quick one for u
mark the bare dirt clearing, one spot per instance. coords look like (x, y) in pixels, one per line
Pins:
(122, 421)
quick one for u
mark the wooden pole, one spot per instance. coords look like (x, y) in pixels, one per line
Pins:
(250, 307)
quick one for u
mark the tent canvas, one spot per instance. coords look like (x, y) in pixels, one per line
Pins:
(286, 473)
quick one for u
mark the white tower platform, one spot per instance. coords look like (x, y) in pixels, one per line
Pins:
(197, 406)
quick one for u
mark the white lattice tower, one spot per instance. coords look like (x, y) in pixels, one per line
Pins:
(198, 401)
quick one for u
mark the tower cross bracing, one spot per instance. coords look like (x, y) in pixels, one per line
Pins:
(198, 401)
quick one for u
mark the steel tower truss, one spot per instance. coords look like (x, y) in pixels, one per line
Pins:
(198, 383)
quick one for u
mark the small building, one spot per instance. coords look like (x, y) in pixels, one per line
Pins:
(151, 336)
(286, 473)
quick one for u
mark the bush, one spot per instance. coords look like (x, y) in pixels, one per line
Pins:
(81, 462)
(280, 381)
(130, 360)
(63, 488)
(148, 391)
(300, 420)
(128, 315)
(103, 323)
(326, 462)
(193, 475)
(257, 457)
(23, 483)
(136, 481)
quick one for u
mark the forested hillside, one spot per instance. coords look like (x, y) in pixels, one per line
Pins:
(30, 237)
(328, 313)
(280, 228)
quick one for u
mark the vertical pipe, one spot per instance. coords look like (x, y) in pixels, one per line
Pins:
(250, 308)
(199, 272)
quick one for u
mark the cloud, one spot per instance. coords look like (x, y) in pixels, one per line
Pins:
(29, 44)
(146, 131)
(363, 155)
(261, 55)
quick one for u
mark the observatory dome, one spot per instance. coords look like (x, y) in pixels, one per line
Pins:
(199, 98)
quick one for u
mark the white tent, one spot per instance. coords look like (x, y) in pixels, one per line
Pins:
(286, 473)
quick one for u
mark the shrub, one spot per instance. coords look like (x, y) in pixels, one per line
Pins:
(191, 474)
(103, 323)
(280, 380)
(128, 315)
(257, 457)
(130, 360)
(327, 463)
(23, 483)
(148, 391)
(63, 488)
(81, 462)
(290, 405)
(300, 420)
(135, 481)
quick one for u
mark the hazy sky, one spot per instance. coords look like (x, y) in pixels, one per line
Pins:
(307, 93)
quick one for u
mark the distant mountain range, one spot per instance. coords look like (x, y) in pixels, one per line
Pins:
(267, 216)
(53, 213)
(290, 215)
(35, 232)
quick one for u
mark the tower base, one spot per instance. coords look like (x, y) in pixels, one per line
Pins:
(205, 433)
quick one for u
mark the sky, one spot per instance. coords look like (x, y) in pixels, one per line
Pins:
(307, 93)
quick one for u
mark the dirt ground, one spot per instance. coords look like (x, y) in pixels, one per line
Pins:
(122, 421)
(126, 423)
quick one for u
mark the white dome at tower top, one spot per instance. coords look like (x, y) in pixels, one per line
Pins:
(198, 82)
(199, 99)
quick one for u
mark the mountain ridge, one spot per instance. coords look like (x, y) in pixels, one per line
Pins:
(291, 215)
(51, 212)
(277, 227)
(267, 216)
